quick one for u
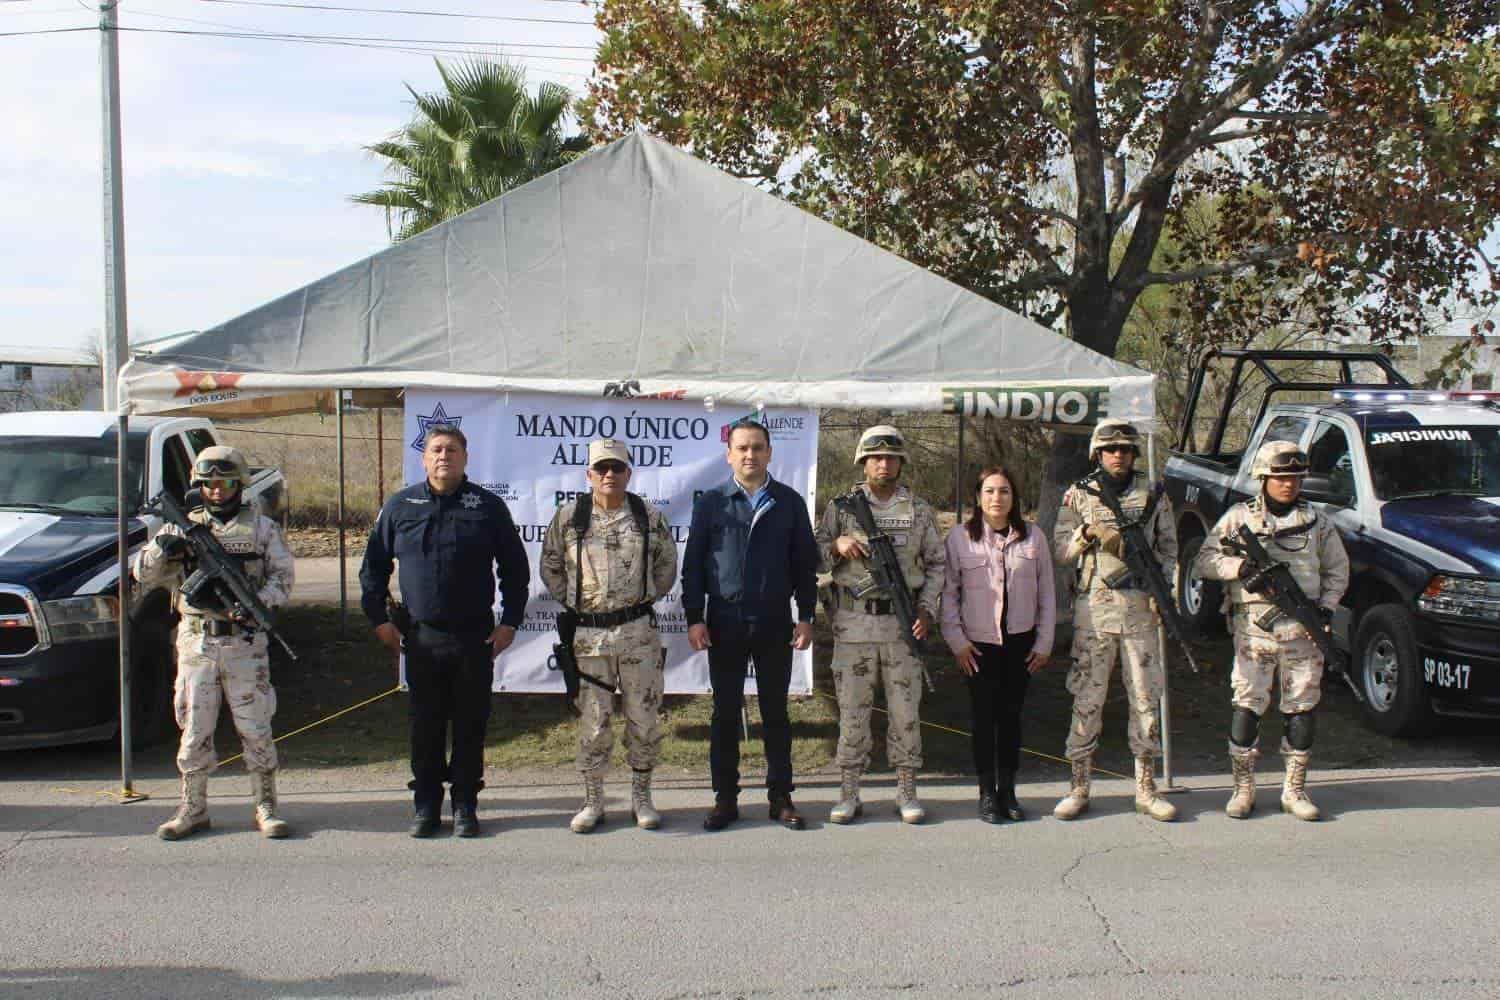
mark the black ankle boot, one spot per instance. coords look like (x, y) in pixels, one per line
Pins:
(989, 805)
(1007, 796)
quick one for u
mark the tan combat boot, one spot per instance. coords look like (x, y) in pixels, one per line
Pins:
(906, 796)
(1294, 798)
(849, 808)
(192, 814)
(1242, 762)
(592, 813)
(263, 794)
(1076, 802)
(641, 807)
(1147, 801)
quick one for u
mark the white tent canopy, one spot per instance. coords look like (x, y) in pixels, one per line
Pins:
(640, 270)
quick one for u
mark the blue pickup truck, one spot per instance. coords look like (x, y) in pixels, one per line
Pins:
(59, 610)
(1411, 477)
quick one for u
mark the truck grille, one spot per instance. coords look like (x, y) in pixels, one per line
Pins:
(18, 631)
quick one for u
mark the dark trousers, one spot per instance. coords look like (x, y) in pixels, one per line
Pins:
(996, 694)
(448, 675)
(734, 643)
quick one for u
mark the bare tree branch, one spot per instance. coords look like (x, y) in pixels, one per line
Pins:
(1259, 255)
(1313, 117)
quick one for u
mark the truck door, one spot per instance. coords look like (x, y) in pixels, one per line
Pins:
(1334, 475)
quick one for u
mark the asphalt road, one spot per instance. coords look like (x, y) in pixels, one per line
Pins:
(1395, 895)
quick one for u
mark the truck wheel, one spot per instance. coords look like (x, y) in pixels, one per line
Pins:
(154, 668)
(1198, 600)
(1389, 672)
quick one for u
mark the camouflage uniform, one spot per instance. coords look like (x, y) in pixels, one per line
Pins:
(869, 648)
(1309, 545)
(627, 655)
(233, 667)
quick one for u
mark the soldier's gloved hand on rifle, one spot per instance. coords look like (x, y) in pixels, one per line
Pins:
(172, 546)
(1327, 615)
(1109, 538)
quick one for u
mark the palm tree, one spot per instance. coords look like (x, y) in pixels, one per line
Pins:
(480, 136)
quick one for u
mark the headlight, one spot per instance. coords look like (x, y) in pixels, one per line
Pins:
(75, 618)
(1465, 597)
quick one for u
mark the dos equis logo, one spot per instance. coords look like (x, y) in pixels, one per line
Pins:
(424, 421)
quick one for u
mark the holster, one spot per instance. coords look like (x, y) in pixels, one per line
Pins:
(398, 615)
(562, 652)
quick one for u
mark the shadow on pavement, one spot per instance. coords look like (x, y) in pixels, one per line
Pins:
(196, 982)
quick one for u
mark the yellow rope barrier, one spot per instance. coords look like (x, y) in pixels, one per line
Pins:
(326, 718)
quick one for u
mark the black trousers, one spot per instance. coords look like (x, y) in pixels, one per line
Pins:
(996, 694)
(448, 675)
(735, 643)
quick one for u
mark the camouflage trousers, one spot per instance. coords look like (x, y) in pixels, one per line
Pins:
(1261, 657)
(216, 669)
(858, 667)
(1094, 656)
(638, 675)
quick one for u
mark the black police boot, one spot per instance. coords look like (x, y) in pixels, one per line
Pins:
(465, 819)
(428, 817)
(989, 805)
(1007, 795)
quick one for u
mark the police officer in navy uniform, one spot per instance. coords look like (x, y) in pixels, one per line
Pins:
(452, 539)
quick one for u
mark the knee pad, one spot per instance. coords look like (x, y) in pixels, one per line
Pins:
(1244, 727)
(1300, 730)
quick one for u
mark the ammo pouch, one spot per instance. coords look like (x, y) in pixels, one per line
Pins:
(1120, 579)
(198, 591)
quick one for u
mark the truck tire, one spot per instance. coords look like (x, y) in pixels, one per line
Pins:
(1198, 600)
(1389, 672)
(153, 670)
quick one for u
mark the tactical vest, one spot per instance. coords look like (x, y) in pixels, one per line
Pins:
(899, 522)
(1095, 565)
(1291, 539)
(582, 521)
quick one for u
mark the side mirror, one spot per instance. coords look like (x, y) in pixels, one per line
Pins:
(1321, 489)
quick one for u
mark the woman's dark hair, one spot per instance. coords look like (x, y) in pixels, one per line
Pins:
(975, 523)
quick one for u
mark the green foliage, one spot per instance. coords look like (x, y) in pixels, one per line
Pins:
(477, 138)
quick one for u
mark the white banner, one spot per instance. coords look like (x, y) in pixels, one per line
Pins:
(530, 449)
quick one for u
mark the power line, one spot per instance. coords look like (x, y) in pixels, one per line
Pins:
(418, 45)
(300, 35)
(286, 4)
(45, 31)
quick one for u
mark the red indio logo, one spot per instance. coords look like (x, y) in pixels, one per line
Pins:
(200, 383)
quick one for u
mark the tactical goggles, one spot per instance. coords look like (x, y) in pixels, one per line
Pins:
(1119, 432)
(1291, 463)
(883, 441)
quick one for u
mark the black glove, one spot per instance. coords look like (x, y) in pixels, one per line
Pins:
(172, 546)
(1327, 615)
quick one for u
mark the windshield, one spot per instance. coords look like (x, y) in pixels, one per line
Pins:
(64, 475)
(1433, 461)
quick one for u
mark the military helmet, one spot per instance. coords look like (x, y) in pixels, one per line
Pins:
(1279, 458)
(220, 462)
(882, 439)
(1113, 431)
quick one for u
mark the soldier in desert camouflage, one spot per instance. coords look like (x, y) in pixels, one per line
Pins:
(868, 645)
(1307, 542)
(222, 657)
(626, 562)
(1112, 617)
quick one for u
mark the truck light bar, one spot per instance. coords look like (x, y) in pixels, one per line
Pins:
(1414, 396)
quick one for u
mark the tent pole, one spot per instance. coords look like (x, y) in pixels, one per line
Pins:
(1167, 785)
(122, 540)
(343, 569)
(958, 473)
(379, 457)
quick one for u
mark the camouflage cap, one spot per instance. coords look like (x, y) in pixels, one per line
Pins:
(1279, 458)
(608, 450)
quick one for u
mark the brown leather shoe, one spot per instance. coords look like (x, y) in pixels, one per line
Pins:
(783, 812)
(721, 815)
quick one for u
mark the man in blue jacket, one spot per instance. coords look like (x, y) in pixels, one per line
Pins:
(750, 552)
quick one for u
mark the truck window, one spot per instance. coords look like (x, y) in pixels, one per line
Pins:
(1284, 428)
(200, 438)
(176, 467)
(1328, 456)
(1410, 462)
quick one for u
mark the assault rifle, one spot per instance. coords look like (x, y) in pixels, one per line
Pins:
(218, 575)
(1274, 581)
(1140, 560)
(885, 571)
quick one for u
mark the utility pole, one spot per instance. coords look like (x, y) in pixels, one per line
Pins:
(116, 350)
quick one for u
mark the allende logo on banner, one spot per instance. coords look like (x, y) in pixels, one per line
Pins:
(1043, 404)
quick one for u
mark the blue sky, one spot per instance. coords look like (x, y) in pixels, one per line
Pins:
(240, 154)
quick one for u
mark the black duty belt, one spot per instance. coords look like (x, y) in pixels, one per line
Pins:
(610, 619)
(879, 606)
(219, 628)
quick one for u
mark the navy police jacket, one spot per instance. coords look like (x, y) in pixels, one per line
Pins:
(749, 564)
(450, 548)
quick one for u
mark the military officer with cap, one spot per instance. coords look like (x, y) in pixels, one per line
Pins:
(1307, 542)
(1113, 618)
(868, 642)
(609, 556)
(220, 655)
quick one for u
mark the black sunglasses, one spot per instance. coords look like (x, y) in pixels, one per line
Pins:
(605, 468)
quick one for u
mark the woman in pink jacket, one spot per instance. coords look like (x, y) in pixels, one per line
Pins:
(999, 612)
